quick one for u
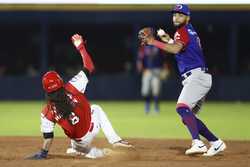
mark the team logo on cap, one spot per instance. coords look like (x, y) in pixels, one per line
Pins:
(178, 7)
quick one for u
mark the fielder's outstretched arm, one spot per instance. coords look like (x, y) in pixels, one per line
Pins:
(88, 65)
(173, 48)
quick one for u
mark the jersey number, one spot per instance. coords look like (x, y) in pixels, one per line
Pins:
(74, 119)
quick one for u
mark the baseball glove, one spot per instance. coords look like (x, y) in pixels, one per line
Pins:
(145, 34)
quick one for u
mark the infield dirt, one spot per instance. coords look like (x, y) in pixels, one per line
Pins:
(147, 153)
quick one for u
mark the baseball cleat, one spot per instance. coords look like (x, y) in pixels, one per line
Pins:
(95, 153)
(122, 143)
(72, 151)
(108, 152)
(216, 147)
(198, 147)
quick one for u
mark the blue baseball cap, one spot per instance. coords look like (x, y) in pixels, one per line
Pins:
(181, 8)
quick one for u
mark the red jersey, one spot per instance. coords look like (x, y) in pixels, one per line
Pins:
(79, 121)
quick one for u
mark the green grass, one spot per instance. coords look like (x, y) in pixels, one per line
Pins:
(227, 120)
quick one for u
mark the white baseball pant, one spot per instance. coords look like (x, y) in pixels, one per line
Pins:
(100, 121)
(151, 82)
(195, 88)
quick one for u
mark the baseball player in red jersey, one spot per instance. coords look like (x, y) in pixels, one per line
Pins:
(68, 107)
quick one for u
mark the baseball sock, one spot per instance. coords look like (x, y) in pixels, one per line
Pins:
(156, 101)
(205, 132)
(147, 104)
(189, 120)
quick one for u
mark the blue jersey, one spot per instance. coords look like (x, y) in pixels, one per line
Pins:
(151, 57)
(191, 55)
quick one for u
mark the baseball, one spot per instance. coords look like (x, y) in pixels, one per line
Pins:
(161, 32)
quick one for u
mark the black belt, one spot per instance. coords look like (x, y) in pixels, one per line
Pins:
(187, 74)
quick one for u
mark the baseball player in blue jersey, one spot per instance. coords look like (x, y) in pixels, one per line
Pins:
(196, 79)
(151, 64)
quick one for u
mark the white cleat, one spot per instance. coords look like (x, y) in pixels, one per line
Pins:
(216, 147)
(122, 143)
(198, 147)
(96, 153)
(72, 151)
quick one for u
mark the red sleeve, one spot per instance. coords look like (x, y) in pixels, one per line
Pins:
(181, 35)
(48, 113)
(71, 88)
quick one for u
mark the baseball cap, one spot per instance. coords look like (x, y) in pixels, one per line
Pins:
(52, 81)
(181, 8)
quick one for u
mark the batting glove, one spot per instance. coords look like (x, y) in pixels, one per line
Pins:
(40, 155)
(77, 41)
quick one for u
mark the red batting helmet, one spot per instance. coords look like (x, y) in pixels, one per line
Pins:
(52, 81)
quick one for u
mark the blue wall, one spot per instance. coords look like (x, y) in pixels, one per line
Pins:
(120, 86)
(125, 87)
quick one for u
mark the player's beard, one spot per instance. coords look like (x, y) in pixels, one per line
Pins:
(185, 22)
(61, 101)
(180, 25)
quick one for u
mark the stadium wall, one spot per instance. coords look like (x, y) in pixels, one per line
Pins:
(119, 86)
(125, 87)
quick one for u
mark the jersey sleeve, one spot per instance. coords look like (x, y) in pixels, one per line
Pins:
(47, 126)
(47, 120)
(181, 36)
(80, 81)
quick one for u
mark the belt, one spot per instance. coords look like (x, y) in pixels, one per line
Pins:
(188, 73)
(185, 75)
